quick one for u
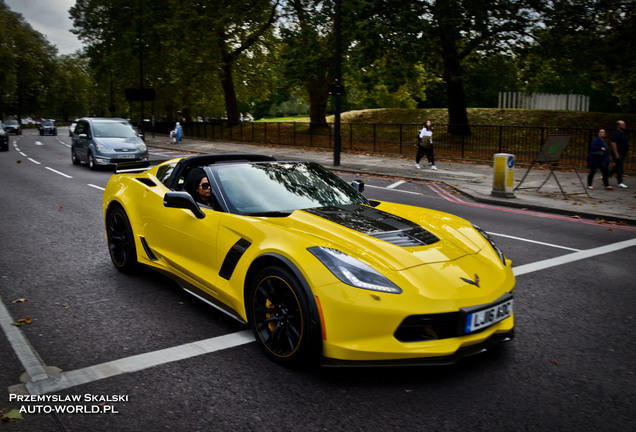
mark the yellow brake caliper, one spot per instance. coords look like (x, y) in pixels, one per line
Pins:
(272, 324)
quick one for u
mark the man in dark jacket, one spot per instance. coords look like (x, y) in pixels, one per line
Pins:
(619, 152)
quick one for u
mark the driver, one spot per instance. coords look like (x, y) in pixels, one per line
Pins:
(198, 185)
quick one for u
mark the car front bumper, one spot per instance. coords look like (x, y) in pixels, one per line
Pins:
(118, 158)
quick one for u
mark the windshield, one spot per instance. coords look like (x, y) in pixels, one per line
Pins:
(47, 123)
(111, 129)
(11, 122)
(279, 187)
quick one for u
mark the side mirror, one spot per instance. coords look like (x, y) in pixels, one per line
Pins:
(183, 200)
(358, 185)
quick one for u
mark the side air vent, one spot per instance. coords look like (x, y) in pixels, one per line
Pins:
(146, 181)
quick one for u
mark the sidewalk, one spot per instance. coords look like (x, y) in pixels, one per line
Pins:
(472, 180)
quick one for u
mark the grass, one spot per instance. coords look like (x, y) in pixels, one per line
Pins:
(284, 119)
(478, 116)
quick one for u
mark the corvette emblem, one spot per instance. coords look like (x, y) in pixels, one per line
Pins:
(472, 282)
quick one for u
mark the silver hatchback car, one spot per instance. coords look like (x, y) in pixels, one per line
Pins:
(106, 141)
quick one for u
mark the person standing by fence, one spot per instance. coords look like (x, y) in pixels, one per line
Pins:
(619, 152)
(598, 158)
(425, 146)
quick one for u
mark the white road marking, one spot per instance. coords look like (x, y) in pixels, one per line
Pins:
(39, 143)
(396, 190)
(34, 161)
(57, 172)
(576, 256)
(29, 360)
(396, 184)
(96, 187)
(138, 362)
(533, 241)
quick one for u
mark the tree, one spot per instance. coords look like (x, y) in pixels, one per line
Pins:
(585, 47)
(192, 50)
(307, 32)
(73, 86)
(27, 62)
(462, 27)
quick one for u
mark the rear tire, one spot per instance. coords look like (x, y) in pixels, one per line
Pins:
(121, 241)
(74, 157)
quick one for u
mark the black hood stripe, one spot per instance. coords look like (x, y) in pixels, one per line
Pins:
(377, 223)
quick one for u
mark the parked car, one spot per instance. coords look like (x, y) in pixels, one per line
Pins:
(100, 141)
(4, 139)
(47, 127)
(12, 126)
(320, 272)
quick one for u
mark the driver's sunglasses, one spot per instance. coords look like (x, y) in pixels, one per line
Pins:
(204, 185)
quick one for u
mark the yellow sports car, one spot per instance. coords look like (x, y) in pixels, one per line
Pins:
(319, 272)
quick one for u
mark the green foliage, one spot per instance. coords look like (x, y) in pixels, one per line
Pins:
(277, 57)
(28, 61)
(586, 47)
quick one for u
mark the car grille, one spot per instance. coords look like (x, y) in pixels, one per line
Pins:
(417, 328)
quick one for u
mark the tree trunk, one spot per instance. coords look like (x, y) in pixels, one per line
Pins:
(227, 82)
(318, 91)
(449, 37)
(457, 113)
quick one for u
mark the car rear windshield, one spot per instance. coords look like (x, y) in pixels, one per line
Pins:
(112, 129)
(281, 187)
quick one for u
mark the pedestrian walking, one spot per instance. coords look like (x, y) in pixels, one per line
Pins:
(176, 134)
(425, 146)
(620, 147)
(598, 158)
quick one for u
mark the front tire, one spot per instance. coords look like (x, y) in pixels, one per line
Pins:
(281, 318)
(92, 165)
(121, 241)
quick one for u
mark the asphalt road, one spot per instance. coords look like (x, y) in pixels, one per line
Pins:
(154, 358)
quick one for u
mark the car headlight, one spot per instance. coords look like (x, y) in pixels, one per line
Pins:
(352, 271)
(499, 252)
(142, 147)
(101, 147)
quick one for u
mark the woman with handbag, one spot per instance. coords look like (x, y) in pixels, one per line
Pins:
(598, 158)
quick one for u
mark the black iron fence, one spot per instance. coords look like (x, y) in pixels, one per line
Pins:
(400, 139)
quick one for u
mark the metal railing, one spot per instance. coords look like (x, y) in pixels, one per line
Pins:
(525, 142)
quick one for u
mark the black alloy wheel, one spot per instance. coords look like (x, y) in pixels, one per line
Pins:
(280, 317)
(121, 242)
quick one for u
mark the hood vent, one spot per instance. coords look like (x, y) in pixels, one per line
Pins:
(378, 224)
(408, 238)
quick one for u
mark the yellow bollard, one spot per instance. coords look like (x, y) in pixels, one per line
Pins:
(503, 180)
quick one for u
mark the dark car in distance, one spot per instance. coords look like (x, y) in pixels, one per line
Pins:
(47, 127)
(13, 126)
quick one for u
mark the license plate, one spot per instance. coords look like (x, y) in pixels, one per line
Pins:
(125, 156)
(481, 317)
